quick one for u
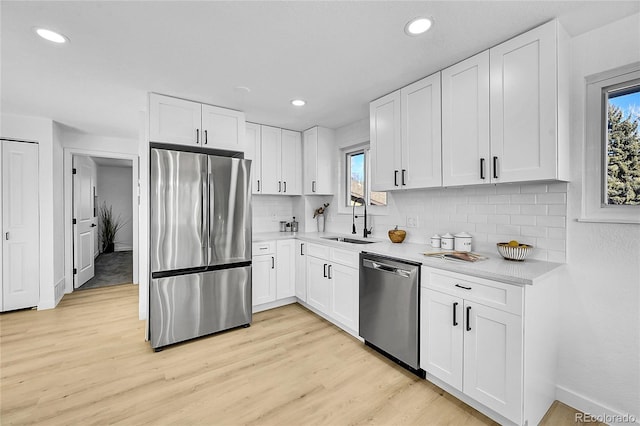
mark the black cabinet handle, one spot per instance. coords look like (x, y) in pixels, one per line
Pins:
(395, 177)
(285, 186)
(205, 137)
(197, 135)
(273, 262)
(279, 186)
(329, 275)
(325, 270)
(404, 172)
(258, 185)
(455, 308)
(482, 168)
(461, 286)
(301, 245)
(468, 316)
(313, 186)
(495, 167)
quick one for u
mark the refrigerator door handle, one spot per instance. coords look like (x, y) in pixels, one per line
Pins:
(203, 216)
(211, 207)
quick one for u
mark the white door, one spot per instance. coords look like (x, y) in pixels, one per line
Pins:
(271, 158)
(344, 294)
(318, 286)
(465, 122)
(493, 359)
(441, 334)
(84, 230)
(263, 282)
(524, 106)
(301, 269)
(385, 134)
(222, 128)
(310, 153)
(20, 226)
(173, 120)
(291, 162)
(285, 270)
(254, 153)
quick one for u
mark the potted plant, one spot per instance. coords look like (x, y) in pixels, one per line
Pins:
(109, 227)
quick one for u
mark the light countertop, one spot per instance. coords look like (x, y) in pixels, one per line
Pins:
(493, 268)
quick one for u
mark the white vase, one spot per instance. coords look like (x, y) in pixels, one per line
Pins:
(320, 221)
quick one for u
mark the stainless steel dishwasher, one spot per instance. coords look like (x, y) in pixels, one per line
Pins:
(389, 307)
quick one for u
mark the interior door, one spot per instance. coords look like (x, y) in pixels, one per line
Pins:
(20, 226)
(84, 231)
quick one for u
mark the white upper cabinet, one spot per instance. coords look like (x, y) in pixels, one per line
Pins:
(182, 122)
(421, 134)
(318, 148)
(271, 139)
(405, 137)
(385, 142)
(526, 129)
(291, 162)
(253, 152)
(465, 122)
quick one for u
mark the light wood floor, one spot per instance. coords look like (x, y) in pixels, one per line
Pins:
(86, 362)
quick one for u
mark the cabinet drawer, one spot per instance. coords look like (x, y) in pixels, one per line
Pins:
(502, 296)
(345, 257)
(264, 247)
(317, 250)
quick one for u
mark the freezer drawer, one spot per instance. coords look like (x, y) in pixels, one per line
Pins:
(187, 306)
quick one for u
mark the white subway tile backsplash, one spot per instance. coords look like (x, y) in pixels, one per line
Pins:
(486, 209)
(556, 233)
(552, 221)
(523, 199)
(499, 199)
(507, 189)
(557, 187)
(477, 218)
(523, 220)
(512, 230)
(552, 198)
(534, 231)
(486, 228)
(557, 210)
(535, 188)
(504, 219)
(534, 209)
(509, 209)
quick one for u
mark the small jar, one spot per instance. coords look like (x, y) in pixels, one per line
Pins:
(462, 241)
(435, 241)
(283, 226)
(446, 242)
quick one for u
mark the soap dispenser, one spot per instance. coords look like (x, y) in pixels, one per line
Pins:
(294, 225)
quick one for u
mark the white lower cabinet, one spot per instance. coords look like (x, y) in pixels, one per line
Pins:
(318, 286)
(344, 294)
(285, 269)
(301, 271)
(476, 340)
(263, 281)
(273, 271)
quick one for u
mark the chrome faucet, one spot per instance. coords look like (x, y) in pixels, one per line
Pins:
(366, 231)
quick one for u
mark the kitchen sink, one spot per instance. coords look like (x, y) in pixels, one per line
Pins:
(348, 240)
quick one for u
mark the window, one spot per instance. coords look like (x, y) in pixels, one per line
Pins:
(357, 180)
(611, 179)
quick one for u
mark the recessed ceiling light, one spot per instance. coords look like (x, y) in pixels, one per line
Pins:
(417, 26)
(51, 35)
(298, 102)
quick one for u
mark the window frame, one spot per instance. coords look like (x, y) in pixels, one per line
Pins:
(594, 207)
(345, 181)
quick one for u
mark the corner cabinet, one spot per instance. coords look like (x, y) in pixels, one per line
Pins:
(405, 137)
(182, 122)
(318, 147)
(490, 343)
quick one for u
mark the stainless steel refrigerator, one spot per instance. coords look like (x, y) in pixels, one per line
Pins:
(200, 245)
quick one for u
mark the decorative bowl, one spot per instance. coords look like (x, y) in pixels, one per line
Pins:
(511, 252)
(397, 235)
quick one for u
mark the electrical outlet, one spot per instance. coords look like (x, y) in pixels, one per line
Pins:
(412, 221)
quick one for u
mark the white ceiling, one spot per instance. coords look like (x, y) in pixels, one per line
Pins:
(338, 55)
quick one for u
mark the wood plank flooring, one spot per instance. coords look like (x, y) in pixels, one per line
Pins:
(86, 362)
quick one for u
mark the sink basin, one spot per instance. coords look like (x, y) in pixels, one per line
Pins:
(348, 240)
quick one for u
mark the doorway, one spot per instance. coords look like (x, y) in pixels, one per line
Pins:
(101, 204)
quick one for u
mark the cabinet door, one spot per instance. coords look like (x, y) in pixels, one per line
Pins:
(465, 122)
(310, 153)
(285, 270)
(253, 152)
(421, 134)
(493, 359)
(385, 134)
(173, 120)
(441, 334)
(263, 288)
(301, 271)
(291, 158)
(524, 106)
(271, 160)
(222, 128)
(344, 294)
(318, 285)
(325, 159)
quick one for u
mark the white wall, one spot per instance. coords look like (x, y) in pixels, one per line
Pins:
(599, 366)
(114, 187)
(51, 224)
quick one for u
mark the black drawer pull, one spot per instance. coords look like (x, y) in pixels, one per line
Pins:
(395, 177)
(495, 167)
(301, 246)
(455, 308)
(461, 286)
(482, 168)
(468, 316)
(404, 172)
(325, 270)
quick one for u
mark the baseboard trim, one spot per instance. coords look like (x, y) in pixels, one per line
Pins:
(59, 290)
(595, 409)
(274, 304)
(46, 304)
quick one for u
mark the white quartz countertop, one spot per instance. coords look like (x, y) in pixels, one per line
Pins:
(493, 268)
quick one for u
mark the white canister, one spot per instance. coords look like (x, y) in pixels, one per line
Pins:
(463, 241)
(447, 241)
(435, 241)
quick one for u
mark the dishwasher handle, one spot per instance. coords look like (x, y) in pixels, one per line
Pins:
(386, 268)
